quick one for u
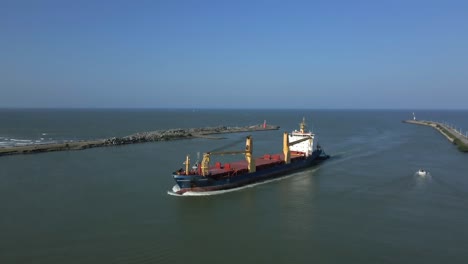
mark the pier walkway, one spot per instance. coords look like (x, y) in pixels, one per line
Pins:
(450, 133)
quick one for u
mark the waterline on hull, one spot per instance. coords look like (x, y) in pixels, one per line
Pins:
(210, 193)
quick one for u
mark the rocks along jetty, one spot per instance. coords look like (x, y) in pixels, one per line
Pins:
(451, 134)
(141, 137)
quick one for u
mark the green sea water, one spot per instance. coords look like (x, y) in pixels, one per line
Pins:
(110, 205)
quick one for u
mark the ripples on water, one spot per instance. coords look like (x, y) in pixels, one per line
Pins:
(111, 205)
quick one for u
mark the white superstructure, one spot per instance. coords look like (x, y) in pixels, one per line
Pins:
(305, 146)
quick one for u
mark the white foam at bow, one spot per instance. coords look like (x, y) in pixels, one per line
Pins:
(209, 193)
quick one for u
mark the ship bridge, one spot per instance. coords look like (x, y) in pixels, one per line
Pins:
(306, 146)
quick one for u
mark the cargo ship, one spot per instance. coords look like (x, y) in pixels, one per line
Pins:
(299, 152)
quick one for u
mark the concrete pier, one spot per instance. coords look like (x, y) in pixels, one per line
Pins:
(451, 134)
(159, 135)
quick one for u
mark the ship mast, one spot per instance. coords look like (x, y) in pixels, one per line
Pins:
(302, 125)
(205, 164)
(286, 152)
(248, 154)
(187, 165)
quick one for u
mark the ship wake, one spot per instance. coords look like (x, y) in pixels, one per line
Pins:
(211, 193)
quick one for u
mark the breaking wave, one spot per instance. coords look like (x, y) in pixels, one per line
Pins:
(18, 142)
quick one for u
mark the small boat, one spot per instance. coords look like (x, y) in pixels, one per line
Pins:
(421, 172)
(299, 152)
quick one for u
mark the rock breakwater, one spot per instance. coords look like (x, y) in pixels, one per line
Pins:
(141, 137)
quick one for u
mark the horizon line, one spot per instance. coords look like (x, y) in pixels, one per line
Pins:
(227, 108)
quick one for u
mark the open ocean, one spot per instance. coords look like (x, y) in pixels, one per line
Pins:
(110, 205)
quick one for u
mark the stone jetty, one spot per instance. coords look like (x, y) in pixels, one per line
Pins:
(141, 137)
(451, 134)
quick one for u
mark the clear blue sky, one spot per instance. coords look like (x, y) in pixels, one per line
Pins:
(234, 54)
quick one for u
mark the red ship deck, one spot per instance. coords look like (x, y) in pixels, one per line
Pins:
(241, 166)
